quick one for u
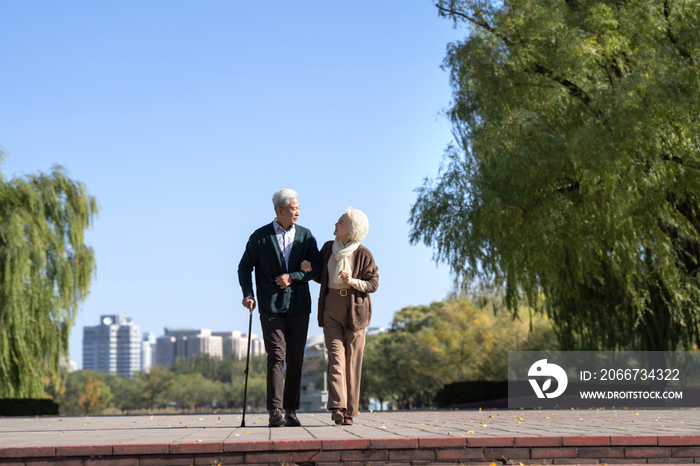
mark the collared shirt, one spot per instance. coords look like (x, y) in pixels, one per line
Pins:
(285, 238)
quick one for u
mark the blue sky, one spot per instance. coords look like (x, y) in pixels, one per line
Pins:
(183, 118)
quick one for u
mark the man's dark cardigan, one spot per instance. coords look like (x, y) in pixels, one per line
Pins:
(263, 254)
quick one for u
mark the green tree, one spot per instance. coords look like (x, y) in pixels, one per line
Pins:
(127, 392)
(211, 367)
(257, 392)
(576, 174)
(194, 391)
(158, 382)
(45, 272)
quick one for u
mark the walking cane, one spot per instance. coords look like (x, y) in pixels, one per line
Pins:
(247, 365)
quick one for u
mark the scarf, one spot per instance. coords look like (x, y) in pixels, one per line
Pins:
(342, 253)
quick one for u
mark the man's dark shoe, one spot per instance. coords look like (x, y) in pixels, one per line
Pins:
(276, 419)
(291, 417)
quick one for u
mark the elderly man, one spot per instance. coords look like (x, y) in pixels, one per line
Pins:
(276, 252)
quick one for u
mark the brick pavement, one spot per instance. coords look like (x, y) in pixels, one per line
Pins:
(398, 438)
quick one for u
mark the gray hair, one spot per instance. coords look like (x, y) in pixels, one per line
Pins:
(359, 224)
(281, 198)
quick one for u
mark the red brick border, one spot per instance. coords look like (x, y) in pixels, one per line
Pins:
(640, 449)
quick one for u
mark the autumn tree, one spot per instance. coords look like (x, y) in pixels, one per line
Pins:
(90, 398)
(449, 341)
(575, 177)
(45, 272)
(86, 392)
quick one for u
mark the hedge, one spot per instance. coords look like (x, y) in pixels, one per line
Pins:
(28, 407)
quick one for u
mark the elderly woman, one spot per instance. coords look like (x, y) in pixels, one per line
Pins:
(349, 275)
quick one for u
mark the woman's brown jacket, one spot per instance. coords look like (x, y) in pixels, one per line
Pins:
(363, 268)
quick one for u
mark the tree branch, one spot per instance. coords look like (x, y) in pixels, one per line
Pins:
(686, 211)
(574, 186)
(482, 23)
(671, 36)
(461, 103)
(689, 252)
(574, 90)
(679, 161)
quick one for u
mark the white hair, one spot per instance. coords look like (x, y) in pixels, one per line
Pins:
(359, 224)
(281, 198)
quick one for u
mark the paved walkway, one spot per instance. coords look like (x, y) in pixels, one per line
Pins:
(415, 437)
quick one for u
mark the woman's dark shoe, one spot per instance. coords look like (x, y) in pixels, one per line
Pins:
(337, 415)
(347, 420)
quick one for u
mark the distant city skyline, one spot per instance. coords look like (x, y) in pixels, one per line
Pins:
(116, 346)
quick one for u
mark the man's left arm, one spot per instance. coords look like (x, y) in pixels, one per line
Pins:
(313, 256)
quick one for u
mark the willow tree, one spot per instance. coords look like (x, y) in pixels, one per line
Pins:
(45, 271)
(575, 175)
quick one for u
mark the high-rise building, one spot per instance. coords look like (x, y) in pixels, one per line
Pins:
(113, 346)
(234, 342)
(186, 343)
(148, 351)
(165, 350)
